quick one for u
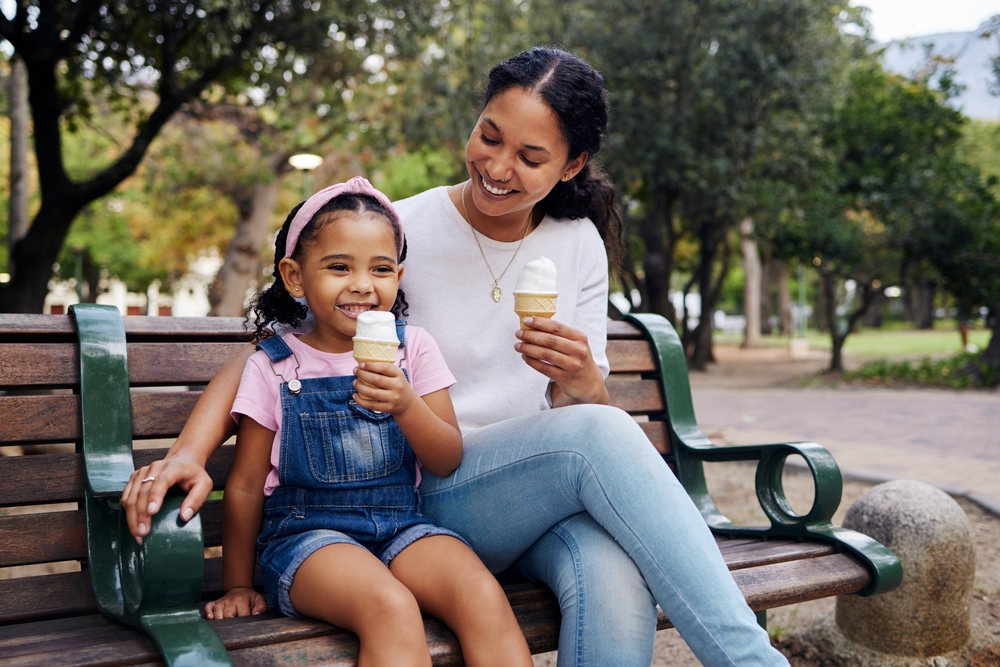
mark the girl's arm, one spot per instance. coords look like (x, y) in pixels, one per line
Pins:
(242, 514)
(428, 422)
(184, 465)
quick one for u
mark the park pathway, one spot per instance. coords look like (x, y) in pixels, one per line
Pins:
(947, 438)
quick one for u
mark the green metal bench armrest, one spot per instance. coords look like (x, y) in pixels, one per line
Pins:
(155, 586)
(690, 448)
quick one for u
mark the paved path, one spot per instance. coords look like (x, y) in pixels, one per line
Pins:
(948, 438)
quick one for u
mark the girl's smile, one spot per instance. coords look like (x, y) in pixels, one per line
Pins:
(348, 268)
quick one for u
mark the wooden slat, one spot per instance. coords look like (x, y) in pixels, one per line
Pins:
(57, 365)
(775, 552)
(40, 478)
(658, 433)
(56, 417)
(42, 538)
(800, 581)
(618, 330)
(49, 595)
(39, 419)
(635, 396)
(630, 356)
(43, 365)
(176, 327)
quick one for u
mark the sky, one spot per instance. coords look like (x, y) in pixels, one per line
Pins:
(898, 19)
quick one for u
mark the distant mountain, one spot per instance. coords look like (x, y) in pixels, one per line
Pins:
(972, 67)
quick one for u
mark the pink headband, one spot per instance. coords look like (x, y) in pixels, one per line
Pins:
(355, 186)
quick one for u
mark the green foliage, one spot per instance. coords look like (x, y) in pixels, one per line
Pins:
(405, 174)
(953, 372)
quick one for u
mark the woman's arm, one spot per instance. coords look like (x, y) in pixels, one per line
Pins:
(242, 514)
(184, 465)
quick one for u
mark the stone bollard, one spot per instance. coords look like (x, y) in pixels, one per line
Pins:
(930, 613)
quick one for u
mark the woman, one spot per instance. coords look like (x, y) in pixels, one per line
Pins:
(575, 496)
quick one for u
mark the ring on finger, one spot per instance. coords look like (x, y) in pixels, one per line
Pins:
(147, 479)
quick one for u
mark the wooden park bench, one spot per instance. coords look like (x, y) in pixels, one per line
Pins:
(77, 590)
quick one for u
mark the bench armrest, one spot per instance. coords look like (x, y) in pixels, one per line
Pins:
(155, 586)
(690, 448)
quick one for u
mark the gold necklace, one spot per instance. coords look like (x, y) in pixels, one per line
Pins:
(497, 293)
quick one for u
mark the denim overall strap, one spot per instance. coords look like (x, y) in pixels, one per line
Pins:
(401, 332)
(275, 348)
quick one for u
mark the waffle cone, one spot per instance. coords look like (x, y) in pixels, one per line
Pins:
(374, 350)
(534, 304)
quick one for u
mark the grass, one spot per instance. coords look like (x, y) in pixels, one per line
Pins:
(946, 372)
(874, 343)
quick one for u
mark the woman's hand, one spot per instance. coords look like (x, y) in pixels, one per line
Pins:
(562, 354)
(142, 499)
(236, 602)
(382, 386)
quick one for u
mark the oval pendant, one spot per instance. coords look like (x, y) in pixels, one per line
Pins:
(294, 386)
(497, 294)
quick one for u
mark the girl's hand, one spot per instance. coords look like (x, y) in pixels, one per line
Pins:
(562, 354)
(382, 386)
(236, 602)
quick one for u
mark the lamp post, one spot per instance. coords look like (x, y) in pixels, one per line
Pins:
(305, 162)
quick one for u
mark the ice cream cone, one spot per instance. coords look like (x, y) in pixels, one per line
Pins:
(373, 350)
(534, 304)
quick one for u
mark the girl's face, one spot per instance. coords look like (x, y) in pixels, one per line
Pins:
(517, 154)
(349, 267)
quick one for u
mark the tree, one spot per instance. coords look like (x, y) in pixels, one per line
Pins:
(696, 88)
(147, 59)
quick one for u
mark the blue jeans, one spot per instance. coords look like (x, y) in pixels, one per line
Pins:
(577, 498)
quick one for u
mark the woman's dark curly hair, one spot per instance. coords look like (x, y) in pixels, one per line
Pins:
(275, 304)
(575, 92)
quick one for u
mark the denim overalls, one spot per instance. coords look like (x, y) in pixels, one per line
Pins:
(346, 475)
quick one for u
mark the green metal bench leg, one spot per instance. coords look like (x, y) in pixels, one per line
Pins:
(762, 618)
(155, 586)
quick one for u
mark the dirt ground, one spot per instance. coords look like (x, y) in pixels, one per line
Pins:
(732, 487)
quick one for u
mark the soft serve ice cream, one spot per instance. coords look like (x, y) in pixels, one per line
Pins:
(535, 292)
(375, 338)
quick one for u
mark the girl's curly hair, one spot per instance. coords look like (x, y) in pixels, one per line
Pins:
(275, 304)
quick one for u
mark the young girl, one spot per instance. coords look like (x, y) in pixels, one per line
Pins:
(326, 476)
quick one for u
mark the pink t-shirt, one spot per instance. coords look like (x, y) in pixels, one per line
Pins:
(259, 396)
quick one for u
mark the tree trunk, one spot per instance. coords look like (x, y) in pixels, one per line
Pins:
(784, 296)
(19, 123)
(34, 255)
(751, 285)
(828, 286)
(657, 265)
(713, 236)
(242, 266)
(766, 302)
(921, 304)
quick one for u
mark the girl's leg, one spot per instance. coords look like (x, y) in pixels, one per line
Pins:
(608, 613)
(347, 586)
(451, 583)
(520, 477)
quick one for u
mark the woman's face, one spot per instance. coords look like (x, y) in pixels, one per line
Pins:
(517, 154)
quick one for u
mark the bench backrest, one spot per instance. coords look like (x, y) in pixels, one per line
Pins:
(42, 526)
